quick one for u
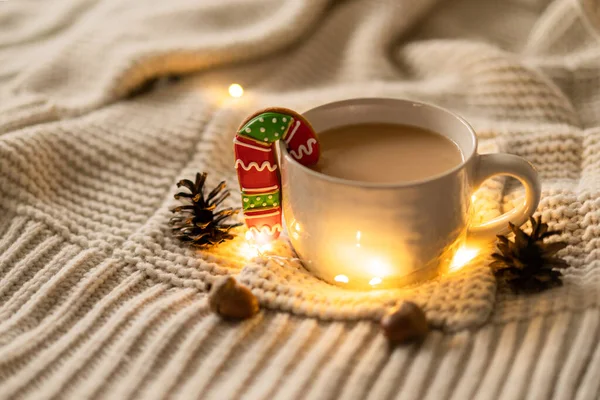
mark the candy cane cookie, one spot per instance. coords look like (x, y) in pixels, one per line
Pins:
(257, 169)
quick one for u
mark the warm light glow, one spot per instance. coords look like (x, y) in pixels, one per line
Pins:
(298, 227)
(358, 234)
(341, 278)
(258, 238)
(254, 246)
(295, 235)
(377, 267)
(265, 247)
(370, 260)
(249, 250)
(236, 90)
(462, 256)
(375, 281)
(473, 198)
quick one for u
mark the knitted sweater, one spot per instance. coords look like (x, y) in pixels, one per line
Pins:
(98, 300)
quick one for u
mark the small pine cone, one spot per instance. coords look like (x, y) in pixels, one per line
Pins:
(529, 263)
(407, 322)
(230, 299)
(198, 221)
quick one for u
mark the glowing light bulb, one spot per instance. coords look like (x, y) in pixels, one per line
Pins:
(263, 248)
(341, 278)
(248, 251)
(375, 281)
(251, 250)
(256, 244)
(236, 90)
(462, 256)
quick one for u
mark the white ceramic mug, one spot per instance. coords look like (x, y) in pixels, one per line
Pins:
(361, 234)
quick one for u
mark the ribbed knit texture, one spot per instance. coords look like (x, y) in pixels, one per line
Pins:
(98, 300)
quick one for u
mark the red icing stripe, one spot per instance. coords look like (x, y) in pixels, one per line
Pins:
(265, 225)
(256, 167)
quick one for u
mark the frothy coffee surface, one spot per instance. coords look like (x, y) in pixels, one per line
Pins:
(385, 153)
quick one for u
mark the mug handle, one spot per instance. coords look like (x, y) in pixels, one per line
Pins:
(490, 165)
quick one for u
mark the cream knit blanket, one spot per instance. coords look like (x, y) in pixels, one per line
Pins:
(97, 300)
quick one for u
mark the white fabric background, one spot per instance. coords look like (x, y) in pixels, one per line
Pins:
(98, 301)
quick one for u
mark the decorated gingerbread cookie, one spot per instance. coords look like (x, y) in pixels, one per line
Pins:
(257, 168)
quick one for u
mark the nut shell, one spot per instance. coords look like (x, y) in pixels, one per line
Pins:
(230, 299)
(405, 323)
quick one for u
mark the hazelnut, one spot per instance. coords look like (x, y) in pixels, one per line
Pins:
(407, 322)
(230, 299)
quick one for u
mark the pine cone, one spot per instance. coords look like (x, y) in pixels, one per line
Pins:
(528, 264)
(198, 222)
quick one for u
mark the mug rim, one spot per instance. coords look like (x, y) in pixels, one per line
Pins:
(383, 100)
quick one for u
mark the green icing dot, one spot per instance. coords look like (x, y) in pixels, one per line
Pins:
(263, 200)
(267, 127)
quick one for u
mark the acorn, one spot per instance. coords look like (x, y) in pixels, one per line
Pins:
(230, 299)
(407, 322)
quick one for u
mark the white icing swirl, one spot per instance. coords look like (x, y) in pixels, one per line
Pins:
(304, 149)
(255, 165)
